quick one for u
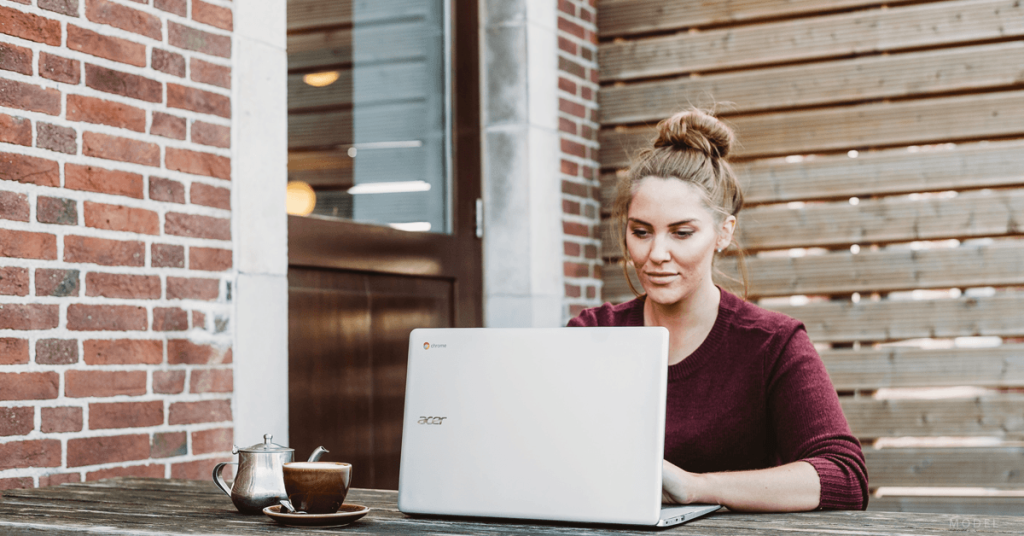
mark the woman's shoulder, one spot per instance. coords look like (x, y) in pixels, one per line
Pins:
(749, 316)
(629, 313)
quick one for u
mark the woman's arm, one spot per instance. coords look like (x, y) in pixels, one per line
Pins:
(793, 487)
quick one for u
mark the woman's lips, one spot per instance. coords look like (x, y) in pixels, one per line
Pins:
(660, 278)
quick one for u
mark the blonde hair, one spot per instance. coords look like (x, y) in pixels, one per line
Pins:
(691, 146)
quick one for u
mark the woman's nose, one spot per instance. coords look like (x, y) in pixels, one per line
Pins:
(659, 249)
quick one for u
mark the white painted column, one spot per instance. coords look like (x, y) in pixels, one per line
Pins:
(523, 283)
(260, 223)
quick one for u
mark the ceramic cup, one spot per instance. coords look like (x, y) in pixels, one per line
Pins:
(317, 487)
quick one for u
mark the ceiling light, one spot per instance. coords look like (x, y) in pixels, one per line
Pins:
(325, 78)
(389, 187)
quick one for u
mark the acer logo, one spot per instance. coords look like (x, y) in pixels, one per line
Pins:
(431, 420)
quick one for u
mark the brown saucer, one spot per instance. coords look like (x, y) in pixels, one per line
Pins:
(345, 515)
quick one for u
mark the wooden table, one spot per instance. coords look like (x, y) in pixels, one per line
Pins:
(152, 506)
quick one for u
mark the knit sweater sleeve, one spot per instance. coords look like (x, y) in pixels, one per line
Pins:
(810, 426)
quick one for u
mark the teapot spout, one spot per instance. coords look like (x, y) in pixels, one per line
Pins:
(315, 457)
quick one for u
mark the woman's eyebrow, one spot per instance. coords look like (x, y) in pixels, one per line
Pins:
(674, 224)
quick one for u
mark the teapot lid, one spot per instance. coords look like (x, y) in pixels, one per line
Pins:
(266, 446)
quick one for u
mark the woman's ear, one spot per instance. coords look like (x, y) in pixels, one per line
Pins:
(725, 232)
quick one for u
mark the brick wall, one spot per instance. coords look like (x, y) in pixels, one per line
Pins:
(115, 239)
(578, 123)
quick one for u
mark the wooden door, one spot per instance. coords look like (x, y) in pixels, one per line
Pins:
(356, 290)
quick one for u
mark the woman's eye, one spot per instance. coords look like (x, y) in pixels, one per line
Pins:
(639, 232)
(683, 234)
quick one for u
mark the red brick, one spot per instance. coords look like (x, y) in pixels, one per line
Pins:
(124, 84)
(197, 226)
(570, 207)
(28, 386)
(168, 445)
(105, 46)
(573, 148)
(119, 218)
(56, 351)
(210, 196)
(123, 352)
(37, 453)
(205, 72)
(28, 169)
(104, 181)
(58, 420)
(197, 412)
(567, 46)
(14, 94)
(14, 206)
(56, 138)
(591, 293)
(56, 210)
(166, 190)
(587, 94)
(571, 67)
(183, 288)
(185, 352)
(104, 112)
(573, 291)
(168, 256)
(211, 381)
(64, 7)
(58, 479)
(106, 318)
(15, 58)
(17, 421)
(170, 319)
(122, 285)
(198, 100)
(575, 269)
(219, 17)
(210, 134)
(60, 69)
(24, 482)
(216, 440)
(572, 108)
(13, 281)
(188, 38)
(178, 7)
(104, 416)
(29, 26)
(13, 351)
(142, 471)
(198, 320)
(120, 149)
(590, 252)
(103, 383)
(26, 2)
(571, 168)
(168, 382)
(197, 163)
(26, 245)
(168, 62)
(197, 470)
(209, 259)
(108, 449)
(565, 6)
(575, 310)
(125, 18)
(15, 130)
(168, 126)
(86, 249)
(29, 316)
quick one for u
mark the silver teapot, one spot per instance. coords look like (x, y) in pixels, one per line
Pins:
(259, 480)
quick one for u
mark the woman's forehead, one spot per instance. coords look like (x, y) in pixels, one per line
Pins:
(667, 200)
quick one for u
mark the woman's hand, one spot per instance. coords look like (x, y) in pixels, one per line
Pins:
(677, 485)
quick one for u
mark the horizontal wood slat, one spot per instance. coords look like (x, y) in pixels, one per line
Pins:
(999, 467)
(869, 271)
(876, 30)
(996, 416)
(938, 120)
(969, 215)
(842, 81)
(307, 14)
(1002, 366)
(320, 130)
(374, 44)
(617, 18)
(873, 173)
(321, 169)
(1008, 506)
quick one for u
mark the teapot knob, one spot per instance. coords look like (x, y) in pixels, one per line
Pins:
(267, 438)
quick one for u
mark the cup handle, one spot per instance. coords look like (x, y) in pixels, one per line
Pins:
(219, 480)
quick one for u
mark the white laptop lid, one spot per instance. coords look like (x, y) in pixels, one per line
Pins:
(551, 424)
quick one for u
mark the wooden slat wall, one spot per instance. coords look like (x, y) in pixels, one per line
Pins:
(881, 148)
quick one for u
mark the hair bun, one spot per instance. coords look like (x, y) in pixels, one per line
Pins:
(698, 130)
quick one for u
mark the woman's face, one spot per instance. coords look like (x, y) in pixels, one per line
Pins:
(671, 238)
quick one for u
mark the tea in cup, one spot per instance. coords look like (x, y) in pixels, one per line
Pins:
(317, 487)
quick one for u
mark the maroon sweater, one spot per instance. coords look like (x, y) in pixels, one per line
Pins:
(755, 394)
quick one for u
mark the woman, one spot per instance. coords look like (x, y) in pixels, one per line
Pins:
(753, 421)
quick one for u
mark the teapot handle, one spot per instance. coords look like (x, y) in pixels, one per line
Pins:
(219, 480)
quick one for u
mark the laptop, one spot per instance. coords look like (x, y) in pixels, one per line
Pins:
(563, 424)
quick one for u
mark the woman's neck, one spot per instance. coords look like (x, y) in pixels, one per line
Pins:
(688, 321)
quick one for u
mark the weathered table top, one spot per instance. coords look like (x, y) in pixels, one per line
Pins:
(153, 506)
